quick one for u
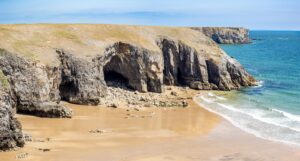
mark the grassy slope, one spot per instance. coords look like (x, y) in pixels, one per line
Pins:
(39, 41)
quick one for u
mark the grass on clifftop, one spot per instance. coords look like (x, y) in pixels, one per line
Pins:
(67, 35)
(39, 41)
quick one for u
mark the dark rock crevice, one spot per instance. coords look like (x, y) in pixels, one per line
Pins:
(181, 63)
(213, 74)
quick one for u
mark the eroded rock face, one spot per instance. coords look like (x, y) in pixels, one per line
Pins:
(33, 86)
(226, 35)
(10, 128)
(82, 82)
(37, 89)
(183, 65)
(141, 67)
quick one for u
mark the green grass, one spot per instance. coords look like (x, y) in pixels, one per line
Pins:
(3, 80)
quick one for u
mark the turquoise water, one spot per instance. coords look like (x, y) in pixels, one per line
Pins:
(271, 110)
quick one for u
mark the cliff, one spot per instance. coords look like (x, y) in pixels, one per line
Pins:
(226, 35)
(10, 129)
(45, 64)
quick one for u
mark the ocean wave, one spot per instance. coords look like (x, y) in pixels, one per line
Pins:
(259, 115)
(289, 115)
(218, 97)
(269, 124)
(258, 84)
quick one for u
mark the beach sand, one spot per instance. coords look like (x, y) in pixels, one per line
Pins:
(150, 134)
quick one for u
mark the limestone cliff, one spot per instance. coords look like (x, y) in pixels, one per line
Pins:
(44, 64)
(10, 129)
(34, 86)
(226, 35)
(184, 65)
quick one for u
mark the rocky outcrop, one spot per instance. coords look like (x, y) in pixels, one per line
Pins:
(184, 65)
(34, 86)
(85, 81)
(141, 68)
(82, 82)
(10, 128)
(226, 35)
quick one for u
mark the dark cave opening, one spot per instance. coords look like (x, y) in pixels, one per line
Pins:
(67, 88)
(115, 79)
(180, 79)
(113, 73)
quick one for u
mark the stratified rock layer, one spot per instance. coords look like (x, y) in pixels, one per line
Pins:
(226, 35)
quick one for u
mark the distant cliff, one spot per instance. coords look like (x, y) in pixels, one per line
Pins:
(42, 65)
(226, 35)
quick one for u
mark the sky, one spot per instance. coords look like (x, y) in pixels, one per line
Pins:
(252, 14)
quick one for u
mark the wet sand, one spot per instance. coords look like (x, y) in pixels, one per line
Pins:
(151, 134)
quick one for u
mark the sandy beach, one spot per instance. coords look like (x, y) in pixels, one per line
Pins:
(138, 80)
(149, 134)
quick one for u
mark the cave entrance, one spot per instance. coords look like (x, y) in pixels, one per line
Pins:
(68, 88)
(114, 73)
(115, 79)
(180, 79)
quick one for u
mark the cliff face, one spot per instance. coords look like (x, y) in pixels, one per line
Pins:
(226, 35)
(142, 58)
(141, 68)
(10, 129)
(81, 81)
(34, 86)
(183, 65)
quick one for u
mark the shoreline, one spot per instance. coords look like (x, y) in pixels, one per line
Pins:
(160, 134)
(203, 103)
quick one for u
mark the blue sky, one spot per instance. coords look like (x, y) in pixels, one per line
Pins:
(253, 14)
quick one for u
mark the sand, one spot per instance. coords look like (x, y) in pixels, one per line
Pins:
(151, 134)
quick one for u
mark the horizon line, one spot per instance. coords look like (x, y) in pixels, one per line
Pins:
(90, 23)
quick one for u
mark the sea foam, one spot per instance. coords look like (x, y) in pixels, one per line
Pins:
(271, 124)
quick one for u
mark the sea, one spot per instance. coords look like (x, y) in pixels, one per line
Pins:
(270, 110)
